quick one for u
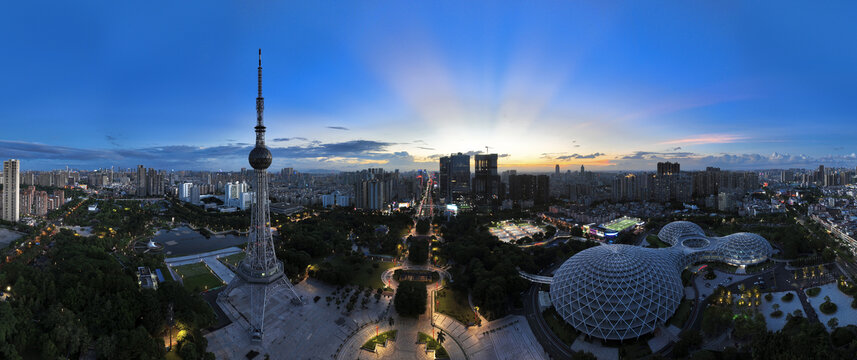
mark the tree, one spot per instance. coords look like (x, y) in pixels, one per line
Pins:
(418, 251)
(410, 298)
(423, 226)
(688, 340)
(716, 319)
(576, 231)
(833, 323)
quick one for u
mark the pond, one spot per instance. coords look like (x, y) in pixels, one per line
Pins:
(183, 241)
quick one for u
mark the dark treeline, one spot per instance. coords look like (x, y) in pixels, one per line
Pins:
(77, 298)
(487, 267)
(320, 237)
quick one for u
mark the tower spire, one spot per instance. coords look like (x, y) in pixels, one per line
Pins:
(260, 108)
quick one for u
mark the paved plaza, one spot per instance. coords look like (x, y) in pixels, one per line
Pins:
(776, 324)
(314, 330)
(317, 330)
(844, 313)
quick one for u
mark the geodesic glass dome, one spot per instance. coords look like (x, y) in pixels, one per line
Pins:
(744, 249)
(618, 292)
(672, 232)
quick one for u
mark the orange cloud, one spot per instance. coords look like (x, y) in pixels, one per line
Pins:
(706, 139)
(549, 165)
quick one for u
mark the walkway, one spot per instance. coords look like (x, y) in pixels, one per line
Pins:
(210, 259)
(190, 259)
(535, 278)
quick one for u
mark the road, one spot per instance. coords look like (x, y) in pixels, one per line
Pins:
(550, 343)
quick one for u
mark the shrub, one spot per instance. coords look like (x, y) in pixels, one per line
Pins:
(788, 297)
(769, 297)
(777, 314)
(827, 307)
(813, 292)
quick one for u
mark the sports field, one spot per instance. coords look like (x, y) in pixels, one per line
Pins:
(622, 223)
(508, 231)
(197, 277)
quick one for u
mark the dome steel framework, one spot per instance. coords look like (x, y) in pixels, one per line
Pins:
(618, 292)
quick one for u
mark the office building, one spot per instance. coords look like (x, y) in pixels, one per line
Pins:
(454, 178)
(487, 188)
(535, 188)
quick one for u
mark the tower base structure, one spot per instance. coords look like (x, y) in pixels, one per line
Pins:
(261, 288)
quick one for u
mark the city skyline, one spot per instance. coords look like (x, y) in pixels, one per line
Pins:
(736, 86)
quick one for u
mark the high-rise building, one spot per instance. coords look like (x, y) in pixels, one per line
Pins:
(626, 188)
(556, 170)
(535, 188)
(668, 168)
(454, 176)
(184, 191)
(581, 170)
(59, 196)
(27, 199)
(40, 203)
(11, 190)
(194, 195)
(154, 183)
(142, 184)
(486, 182)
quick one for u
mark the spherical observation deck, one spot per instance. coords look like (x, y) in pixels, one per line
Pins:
(260, 157)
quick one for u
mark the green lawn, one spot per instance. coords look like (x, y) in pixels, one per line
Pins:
(197, 277)
(380, 339)
(655, 241)
(173, 355)
(369, 276)
(233, 259)
(560, 328)
(455, 305)
(681, 314)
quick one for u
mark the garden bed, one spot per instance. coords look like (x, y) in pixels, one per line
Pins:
(379, 340)
(432, 345)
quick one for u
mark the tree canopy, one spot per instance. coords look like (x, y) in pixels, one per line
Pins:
(410, 298)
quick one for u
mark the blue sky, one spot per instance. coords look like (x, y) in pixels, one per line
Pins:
(350, 85)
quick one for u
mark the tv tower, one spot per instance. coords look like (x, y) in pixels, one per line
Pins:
(260, 270)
